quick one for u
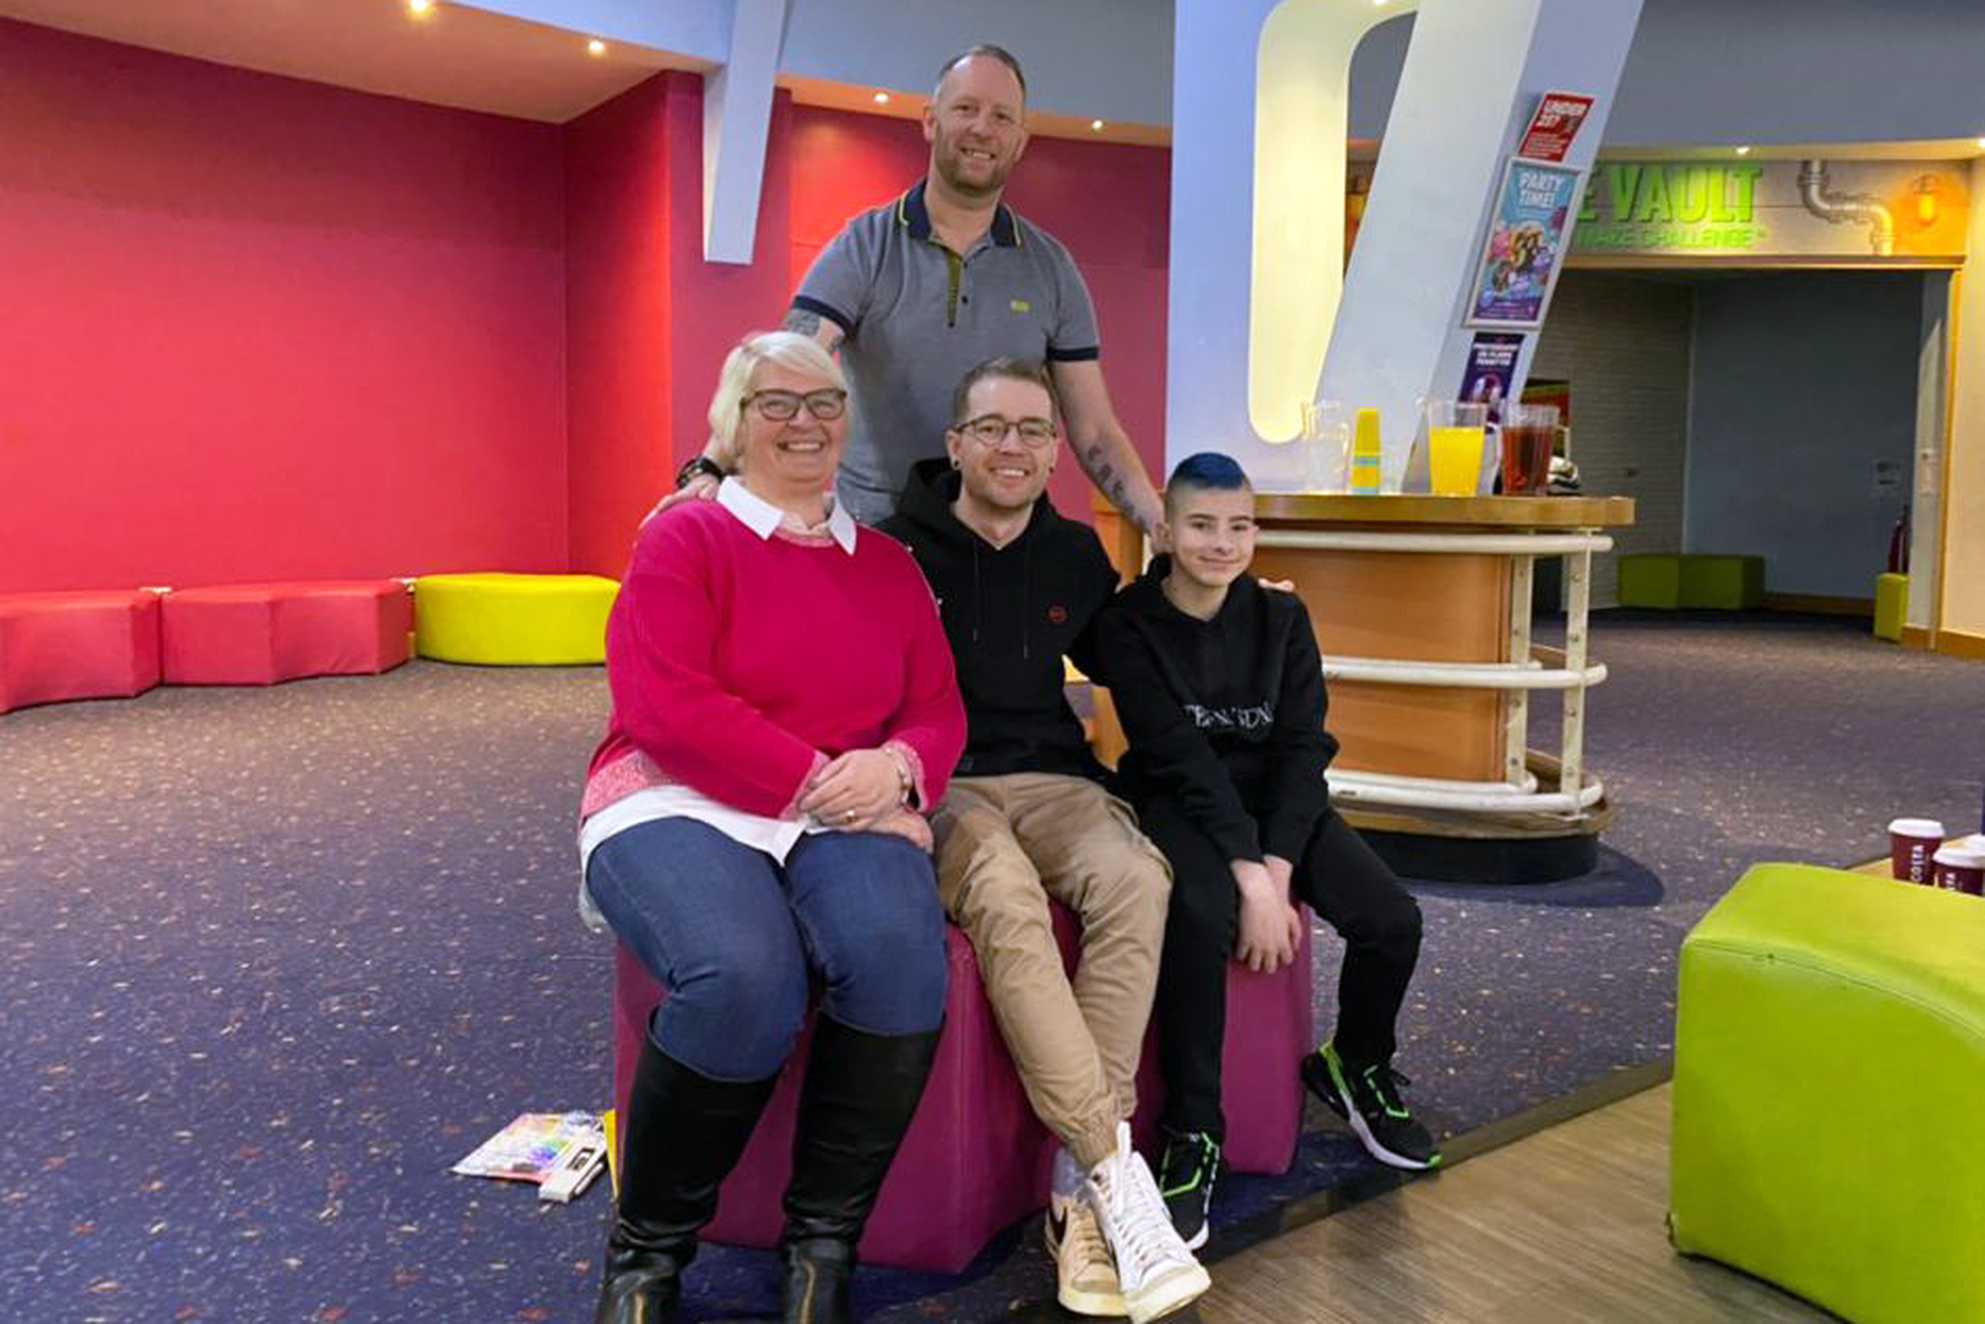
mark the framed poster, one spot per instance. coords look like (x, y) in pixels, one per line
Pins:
(1490, 370)
(1557, 121)
(1526, 246)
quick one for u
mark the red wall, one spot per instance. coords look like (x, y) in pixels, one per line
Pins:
(648, 320)
(254, 327)
(259, 328)
(1110, 204)
(616, 311)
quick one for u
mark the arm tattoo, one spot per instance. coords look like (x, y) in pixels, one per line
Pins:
(1111, 484)
(808, 323)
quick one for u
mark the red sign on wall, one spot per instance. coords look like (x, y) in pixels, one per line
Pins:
(1556, 123)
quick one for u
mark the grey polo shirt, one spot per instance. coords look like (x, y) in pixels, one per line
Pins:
(918, 317)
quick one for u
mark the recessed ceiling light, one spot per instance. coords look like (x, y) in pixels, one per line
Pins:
(881, 98)
(1743, 151)
(596, 47)
(420, 8)
(1096, 126)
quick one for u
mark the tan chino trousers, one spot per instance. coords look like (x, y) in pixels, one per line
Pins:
(1005, 846)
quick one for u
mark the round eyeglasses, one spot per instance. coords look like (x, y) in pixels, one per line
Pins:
(826, 404)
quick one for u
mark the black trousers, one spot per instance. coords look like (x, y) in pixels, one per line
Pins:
(1341, 879)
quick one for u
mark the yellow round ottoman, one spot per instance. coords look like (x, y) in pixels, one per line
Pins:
(504, 620)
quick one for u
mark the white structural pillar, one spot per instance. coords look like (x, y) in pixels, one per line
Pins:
(737, 117)
(1260, 320)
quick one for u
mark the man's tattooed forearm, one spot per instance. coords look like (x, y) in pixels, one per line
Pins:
(1099, 469)
(800, 320)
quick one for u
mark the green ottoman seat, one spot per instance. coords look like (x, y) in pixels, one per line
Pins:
(1829, 1093)
(1694, 579)
(1891, 606)
(1649, 580)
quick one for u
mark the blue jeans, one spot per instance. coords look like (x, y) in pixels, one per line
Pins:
(734, 937)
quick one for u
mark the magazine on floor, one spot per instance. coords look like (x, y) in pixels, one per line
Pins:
(560, 1153)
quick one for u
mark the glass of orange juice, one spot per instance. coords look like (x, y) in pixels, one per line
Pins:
(1454, 446)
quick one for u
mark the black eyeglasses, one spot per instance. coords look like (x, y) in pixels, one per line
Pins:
(991, 429)
(826, 404)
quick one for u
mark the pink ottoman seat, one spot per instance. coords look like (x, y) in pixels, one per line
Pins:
(262, 634)
(93, 645)
(976, 1159)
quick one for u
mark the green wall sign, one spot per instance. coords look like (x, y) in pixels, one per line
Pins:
(1657, 207)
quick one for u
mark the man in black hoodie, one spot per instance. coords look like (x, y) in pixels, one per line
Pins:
(1220, 688)
(1027, 819)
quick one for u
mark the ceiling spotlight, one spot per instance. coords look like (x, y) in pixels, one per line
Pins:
(596, 47)
(420, 8)
(881, 98)
(1743, 151)
(1096, 126)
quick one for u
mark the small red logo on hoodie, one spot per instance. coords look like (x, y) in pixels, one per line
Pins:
(1057, 615)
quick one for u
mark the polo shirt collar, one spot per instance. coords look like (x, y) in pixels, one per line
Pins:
(913, 215)
(763, 518)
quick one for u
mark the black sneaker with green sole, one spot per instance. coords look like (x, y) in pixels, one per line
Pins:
(1367, 1096)
(1185, 1179)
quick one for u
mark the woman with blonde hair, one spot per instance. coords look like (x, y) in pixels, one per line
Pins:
(784, 713)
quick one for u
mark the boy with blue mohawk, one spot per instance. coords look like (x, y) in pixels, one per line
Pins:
(1219, 685)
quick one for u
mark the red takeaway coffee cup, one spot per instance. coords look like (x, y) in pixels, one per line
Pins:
(1959, 870)
(1912, 841)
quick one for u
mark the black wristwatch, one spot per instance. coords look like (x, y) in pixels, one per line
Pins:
(702, 464)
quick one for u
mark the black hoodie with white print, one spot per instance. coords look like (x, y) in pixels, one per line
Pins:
(1224, 717)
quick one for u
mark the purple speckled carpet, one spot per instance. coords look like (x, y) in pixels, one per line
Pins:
(274, 959)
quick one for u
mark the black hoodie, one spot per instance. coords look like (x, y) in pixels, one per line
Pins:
(1224, 717)
(1011, 613)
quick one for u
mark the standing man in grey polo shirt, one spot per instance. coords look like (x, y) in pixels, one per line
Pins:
(917, 292)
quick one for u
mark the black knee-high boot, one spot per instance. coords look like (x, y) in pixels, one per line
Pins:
(861, 1091)
(682, 1135)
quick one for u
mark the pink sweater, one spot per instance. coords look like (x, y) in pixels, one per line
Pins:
(739, 664)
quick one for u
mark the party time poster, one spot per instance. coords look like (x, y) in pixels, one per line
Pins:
(1526, 244)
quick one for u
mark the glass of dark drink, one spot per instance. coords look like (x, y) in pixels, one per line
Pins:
(1528, 432)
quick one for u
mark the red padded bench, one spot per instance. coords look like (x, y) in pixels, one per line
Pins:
(59, 646)
(262, 634)
(976, 1159)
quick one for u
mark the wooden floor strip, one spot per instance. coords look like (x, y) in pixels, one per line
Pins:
(1568, 1224)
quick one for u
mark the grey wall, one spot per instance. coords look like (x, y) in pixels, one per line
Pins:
(1623, 343)
(1701, 71)
(1764, 72)
(1107, 59)
(700, 29)
(1802, 381)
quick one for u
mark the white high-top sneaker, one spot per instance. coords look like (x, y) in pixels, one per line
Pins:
(1155, 1271)
(1085, 1275)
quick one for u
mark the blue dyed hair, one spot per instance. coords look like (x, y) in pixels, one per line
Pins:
(1206, 471)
